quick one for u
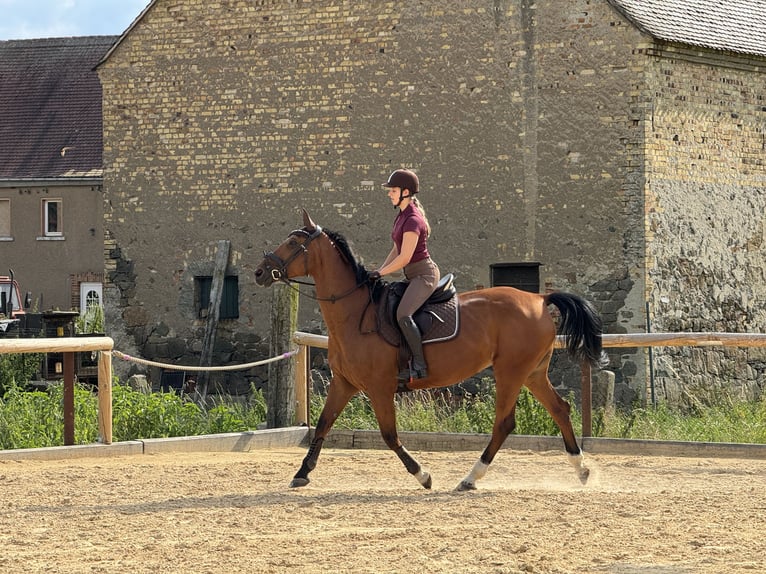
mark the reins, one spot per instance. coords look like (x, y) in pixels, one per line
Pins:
(331, 298)
(280, 272)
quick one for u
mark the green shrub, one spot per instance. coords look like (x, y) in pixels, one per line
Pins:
(17, 369)
(36, 419)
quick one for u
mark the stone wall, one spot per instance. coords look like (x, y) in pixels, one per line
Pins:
(706, 206)
(525, 121)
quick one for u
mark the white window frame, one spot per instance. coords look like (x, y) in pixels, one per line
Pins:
(6, 202)
(60, 218)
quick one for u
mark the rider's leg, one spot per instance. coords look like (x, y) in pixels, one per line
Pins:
(423, 277)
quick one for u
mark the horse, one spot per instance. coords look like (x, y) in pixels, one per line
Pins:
(503, 327)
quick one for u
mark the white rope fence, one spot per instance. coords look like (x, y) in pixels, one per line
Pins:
(168, 366)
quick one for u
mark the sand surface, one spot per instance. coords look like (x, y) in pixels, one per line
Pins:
(233, 512)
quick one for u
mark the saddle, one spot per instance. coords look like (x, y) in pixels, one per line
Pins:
(437, 318)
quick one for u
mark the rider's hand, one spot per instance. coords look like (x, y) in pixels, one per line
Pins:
(374, 275)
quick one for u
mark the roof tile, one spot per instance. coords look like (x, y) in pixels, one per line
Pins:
(50, 107)
(732, 25)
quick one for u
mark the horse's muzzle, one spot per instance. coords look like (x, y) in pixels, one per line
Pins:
(266, 277)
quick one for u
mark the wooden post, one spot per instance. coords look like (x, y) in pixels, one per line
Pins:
(68, 398)
(281, 388)
(302, 378)
(213, 313)
(587, 403)
(105, 397)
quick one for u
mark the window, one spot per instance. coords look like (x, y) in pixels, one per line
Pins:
(524, 276)
(5, 219)
(229, 308)
(52, 218)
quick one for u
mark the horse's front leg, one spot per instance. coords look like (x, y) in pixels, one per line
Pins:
(385, 412)
(338, 395)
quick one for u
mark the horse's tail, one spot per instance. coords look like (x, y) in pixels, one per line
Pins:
(581, 325)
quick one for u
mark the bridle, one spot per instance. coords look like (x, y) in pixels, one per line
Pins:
(279, 273)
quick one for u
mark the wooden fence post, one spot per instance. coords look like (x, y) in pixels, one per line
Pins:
(586, 399)
(68, 398)
(281, 388)
(105, 397)
(302, 378)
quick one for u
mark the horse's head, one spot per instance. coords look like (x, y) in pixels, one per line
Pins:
(285, 261)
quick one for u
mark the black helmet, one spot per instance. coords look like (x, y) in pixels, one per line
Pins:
(403, 179)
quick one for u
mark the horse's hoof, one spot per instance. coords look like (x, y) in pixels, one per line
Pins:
(583, 475)
(299, 482)
(465, 486)
(427, 482)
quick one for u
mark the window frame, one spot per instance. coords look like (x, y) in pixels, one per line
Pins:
(9, 235)
(59, 217)
(229, 308)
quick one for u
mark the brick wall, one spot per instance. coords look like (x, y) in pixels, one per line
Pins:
(527, 123)
(706, 210)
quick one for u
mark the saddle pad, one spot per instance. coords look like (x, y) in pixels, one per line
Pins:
(445, 323)
(437, 322)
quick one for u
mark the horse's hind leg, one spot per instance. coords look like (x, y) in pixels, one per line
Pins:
(338, 395)
(559, 409)
(507, 392)
(385, 412)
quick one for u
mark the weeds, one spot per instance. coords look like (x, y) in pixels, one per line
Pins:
(32, 419)
(427, 411)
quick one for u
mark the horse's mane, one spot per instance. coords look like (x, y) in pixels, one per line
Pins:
(347, 253)
(362, 275)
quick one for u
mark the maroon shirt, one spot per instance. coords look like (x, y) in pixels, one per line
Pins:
(411, 219)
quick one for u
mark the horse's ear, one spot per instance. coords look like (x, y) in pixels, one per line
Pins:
(307, 222)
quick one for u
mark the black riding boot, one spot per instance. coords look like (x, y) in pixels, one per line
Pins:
(412, 335)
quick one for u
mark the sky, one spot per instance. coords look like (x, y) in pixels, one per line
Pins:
(24, 19)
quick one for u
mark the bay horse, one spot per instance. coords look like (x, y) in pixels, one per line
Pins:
(508, 329)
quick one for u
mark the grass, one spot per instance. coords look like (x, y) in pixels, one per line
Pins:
(426, 411)
(31, 419)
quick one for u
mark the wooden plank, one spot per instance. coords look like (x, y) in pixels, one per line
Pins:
(213, 313)
(624, 340)
(56, 345)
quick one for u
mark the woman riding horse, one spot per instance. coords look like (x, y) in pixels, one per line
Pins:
(502, 327)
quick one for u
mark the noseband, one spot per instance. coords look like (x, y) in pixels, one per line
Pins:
(279, 273)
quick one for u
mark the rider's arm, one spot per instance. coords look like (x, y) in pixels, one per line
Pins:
(401, 259)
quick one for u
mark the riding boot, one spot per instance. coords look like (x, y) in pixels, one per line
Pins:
(412, 335)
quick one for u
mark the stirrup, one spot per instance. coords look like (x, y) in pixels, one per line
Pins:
(403, 387)
(408, 374)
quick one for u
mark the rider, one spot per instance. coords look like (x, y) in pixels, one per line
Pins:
(410, 253)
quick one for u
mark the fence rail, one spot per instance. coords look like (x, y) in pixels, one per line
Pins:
(69, 346)
(697, 339)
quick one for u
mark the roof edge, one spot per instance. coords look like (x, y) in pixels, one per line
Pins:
(133, 24)
(50, 181)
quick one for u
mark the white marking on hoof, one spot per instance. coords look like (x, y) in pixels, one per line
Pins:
(424, 479)
(477, 473)
(578, 462)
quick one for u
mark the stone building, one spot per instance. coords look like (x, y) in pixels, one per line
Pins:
(612, 147)
(51, 201)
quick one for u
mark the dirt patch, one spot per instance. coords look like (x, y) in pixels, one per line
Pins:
(362, 513)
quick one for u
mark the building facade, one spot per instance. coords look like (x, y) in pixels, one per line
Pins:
(51, 199)
(573, 136)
